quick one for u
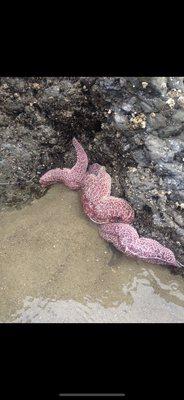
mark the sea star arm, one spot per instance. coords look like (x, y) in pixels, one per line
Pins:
(119, 234)
(126, 239)
(97, 184)
(52, 176)
(114, 209)
(79, 169)
(71, 177)
(151, 251)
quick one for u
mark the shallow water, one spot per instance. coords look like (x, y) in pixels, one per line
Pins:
(54, 267)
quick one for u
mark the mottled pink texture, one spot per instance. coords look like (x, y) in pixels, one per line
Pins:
(114, 213)
(119, 234)
(126, 239)
(71, 177)
(95, 183)
(97, 202)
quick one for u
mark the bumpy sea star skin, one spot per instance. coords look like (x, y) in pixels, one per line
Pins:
(71, 177)
(114, 213)
(95, 183)
(126, 239)
(97, 203)
(119, 234)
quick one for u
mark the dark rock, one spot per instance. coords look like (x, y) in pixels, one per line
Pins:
(156, 121)
(158, 104)
(171, 183)
(175, 83)
(179, 116)
(160, 149)
(171, 130)
(160, 85)
(140, 157)
(120, 119)
(146, 107)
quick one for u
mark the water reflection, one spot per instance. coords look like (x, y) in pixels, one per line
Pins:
(49, 310)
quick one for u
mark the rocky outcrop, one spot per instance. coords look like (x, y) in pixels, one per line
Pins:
(133, 126)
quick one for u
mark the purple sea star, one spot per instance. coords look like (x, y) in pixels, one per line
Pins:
(114, 213)
(71, 177)
(97, 203)
(126, 239)
(95, 183)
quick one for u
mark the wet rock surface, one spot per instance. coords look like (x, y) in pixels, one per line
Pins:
(133, 126)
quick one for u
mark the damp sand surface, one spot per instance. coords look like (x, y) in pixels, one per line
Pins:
(54, 267)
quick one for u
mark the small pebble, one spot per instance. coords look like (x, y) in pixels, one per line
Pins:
(144, 85)
(170, 102)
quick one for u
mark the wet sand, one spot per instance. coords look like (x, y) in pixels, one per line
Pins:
(54, 267)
